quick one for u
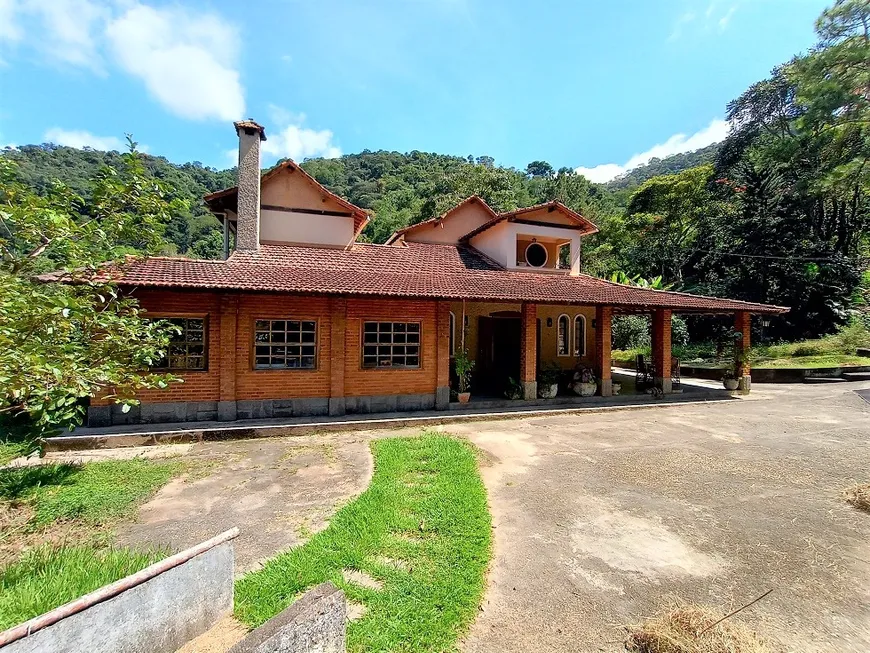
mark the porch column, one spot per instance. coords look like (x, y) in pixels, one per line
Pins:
(229, 320)
(442, 353)
(529, 353)
(661, 349)
(337, 324)
(742, 325)
(603, 337)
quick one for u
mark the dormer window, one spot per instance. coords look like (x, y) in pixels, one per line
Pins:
(536, 255)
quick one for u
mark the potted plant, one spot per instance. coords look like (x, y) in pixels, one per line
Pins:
(730, 381)
(463, 366)
(514, 389)
(548, 380)
(584, 382)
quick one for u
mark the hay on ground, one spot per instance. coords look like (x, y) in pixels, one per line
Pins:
(859, 496)
(679, 628)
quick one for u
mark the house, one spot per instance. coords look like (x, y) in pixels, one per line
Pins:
(302, 319)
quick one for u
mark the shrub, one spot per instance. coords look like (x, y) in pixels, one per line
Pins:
(631, 332)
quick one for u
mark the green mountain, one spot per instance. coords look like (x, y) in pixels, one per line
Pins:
(668, 166)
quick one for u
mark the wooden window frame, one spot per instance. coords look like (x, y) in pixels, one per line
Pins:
(282, 318)
(582, 351)
(362, 344)
(452, 341)
(205, 342)
(568, 341)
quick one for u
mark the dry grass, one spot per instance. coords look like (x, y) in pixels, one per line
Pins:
(682, 628)
(859, 496)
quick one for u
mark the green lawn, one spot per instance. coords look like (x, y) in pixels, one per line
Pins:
(94, 493)
(422, 528)
(47, 577)
(89, 497)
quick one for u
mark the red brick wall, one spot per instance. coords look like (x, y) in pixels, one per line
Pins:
(603, 335)
(197, 386)
(360, 382)
(231, 375)
(661, 343)
(281, 384)
(528, 355)
(743, 325)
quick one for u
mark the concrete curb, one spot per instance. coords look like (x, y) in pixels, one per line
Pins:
(193, 434)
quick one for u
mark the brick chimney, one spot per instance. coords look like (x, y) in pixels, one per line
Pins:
(248, 226)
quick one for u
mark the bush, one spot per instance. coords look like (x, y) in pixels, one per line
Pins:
(631, 332)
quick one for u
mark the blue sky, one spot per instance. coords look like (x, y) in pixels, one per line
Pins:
(583, 84)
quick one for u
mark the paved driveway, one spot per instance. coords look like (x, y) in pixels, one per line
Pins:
(600, 516)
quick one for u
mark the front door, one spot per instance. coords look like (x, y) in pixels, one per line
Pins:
(498, 354)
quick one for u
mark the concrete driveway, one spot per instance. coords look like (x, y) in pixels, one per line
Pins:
(599, 517)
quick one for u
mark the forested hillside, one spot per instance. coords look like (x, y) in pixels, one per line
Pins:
(777, 213)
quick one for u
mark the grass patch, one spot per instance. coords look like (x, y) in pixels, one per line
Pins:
(10, 451)
(47, 577)
(859, 496)
(426, 507)
(683, 628)
(94, 493)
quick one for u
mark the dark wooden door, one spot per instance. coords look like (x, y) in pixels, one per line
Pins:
(498, 354)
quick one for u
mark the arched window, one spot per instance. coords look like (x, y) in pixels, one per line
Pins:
(579, 335)
(563, 337)
(452, 333)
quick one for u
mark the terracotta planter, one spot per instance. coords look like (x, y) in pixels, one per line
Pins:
(731, 384)
(548, 391)
(463, 397)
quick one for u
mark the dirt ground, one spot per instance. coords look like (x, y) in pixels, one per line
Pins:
(277, 491)
(598, 517)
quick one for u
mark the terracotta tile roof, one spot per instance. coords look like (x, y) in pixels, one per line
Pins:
(414, 270)
(439, 218)
(588, 227)
(217, 200)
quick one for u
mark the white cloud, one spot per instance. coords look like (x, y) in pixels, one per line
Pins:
(186, 59)
(716, 131)
(10, 29)
(69, 31)
(292, 139)
(80, 138)
(715, 16)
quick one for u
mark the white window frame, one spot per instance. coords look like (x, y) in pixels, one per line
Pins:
(526, 255)
(582, 350)
(568, 341)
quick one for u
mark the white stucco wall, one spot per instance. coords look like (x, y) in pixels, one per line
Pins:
(500, 243)
(456, 224)
(293, 227)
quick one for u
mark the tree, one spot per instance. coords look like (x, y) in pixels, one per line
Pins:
(540, 169)
(63, 342)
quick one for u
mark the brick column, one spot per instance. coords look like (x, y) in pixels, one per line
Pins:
(661, 349)
(229, 323)
(742, 325)
(603, 338)
(442, 356)
(528, 353)
(337, 327)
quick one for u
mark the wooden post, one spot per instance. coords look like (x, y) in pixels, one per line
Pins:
(603, 336)
(529, 353)
(661, 347)
(743, 326)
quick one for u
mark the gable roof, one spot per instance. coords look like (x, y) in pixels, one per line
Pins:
(415, 270)
(587, 226)
(228, 197)
(472, 199)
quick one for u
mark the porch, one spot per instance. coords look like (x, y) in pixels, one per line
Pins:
(519, 347)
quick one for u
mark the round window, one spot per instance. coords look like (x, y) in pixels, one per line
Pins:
(536, 255)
